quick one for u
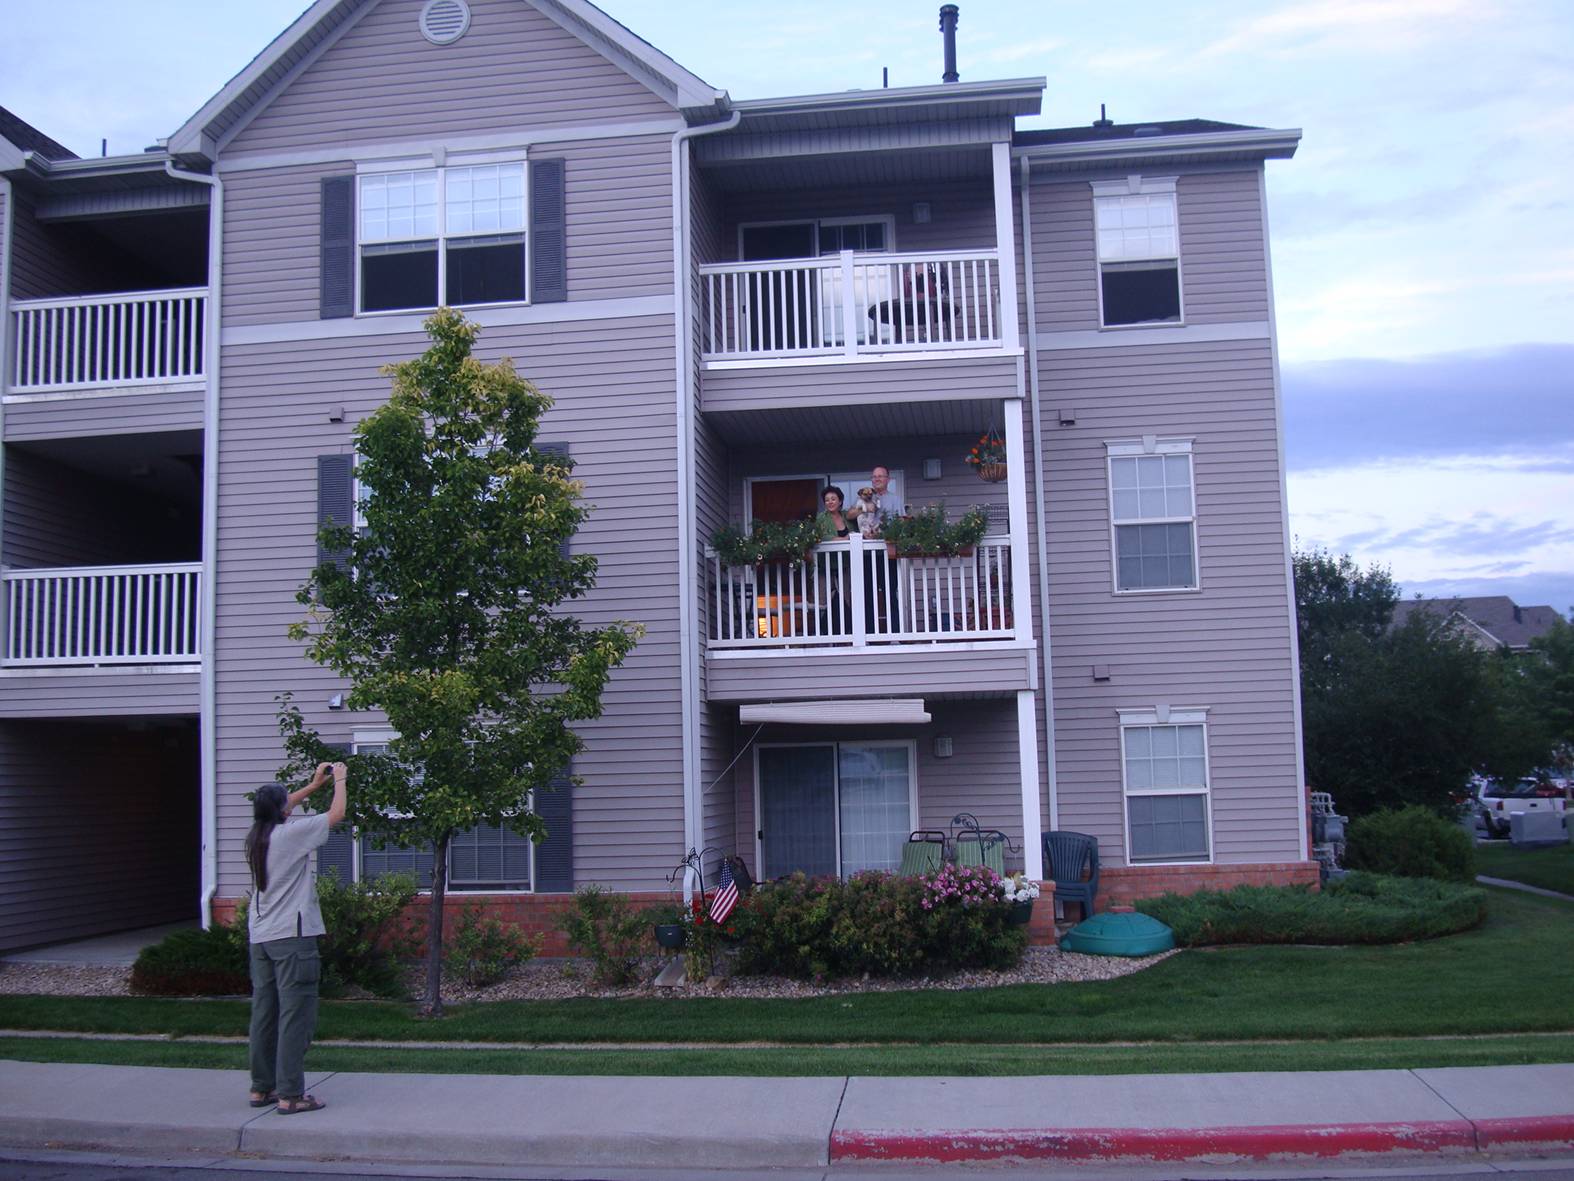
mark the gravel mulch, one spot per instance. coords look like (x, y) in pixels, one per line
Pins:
(567, 979)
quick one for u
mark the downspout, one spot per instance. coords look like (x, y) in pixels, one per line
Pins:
(688, 604)
(1041, 532)
(7, 195)
(207, 685)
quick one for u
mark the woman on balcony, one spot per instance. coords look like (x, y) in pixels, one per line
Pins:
(833, 499)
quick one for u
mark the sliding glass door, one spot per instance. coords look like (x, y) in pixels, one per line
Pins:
(834, 808)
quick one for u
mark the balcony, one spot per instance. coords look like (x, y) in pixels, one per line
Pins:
(126, 340)
(851, 304)
(854, 594)
(102, 615)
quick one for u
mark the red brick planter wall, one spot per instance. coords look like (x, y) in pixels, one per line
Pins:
(1123, 884)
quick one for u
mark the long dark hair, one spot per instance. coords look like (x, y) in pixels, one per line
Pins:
(267, 812)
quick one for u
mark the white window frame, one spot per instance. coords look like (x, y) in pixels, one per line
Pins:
(1139, 186)
(888, 219)
(384, 737)
(836, 769)
(1132, 719)
(1151, 445)
(440, 166)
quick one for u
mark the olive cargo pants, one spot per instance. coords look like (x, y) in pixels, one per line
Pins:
(284, 975)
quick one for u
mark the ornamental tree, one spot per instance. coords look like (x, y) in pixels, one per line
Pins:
(449, 611)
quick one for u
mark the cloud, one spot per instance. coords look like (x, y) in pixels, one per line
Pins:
(1483, 533)
(1390, 27)
(1513, 404)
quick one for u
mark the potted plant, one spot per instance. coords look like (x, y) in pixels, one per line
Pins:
(1019, 892)
(667, 924)
(927, 533)
(768, 541)
(988, 456)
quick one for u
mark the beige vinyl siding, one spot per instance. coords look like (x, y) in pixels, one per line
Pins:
(98, 829)
(893, 382)
(1227, 646)
(1222, 258)
(907, 670)
(108, 692)
(982, 775)
(514, 69)
(123, 413)
(619, 228)
(612, 384)
(53, 260)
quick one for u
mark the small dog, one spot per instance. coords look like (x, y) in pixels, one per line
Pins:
(866, 504)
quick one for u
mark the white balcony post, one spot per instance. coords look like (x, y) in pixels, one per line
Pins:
(855, 588)
(849, 306)
(1016, 502)
(1005, 236)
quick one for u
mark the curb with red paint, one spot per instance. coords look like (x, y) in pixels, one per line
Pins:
(1180, 1144)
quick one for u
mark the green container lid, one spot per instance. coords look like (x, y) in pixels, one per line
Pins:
(1119, 934)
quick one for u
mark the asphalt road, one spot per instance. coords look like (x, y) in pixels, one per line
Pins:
(61, 1166)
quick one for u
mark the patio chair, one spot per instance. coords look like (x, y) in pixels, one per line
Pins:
(923, 852)
(1067, 856)
(986, 847)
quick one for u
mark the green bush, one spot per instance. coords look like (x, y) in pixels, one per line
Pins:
(1362, 908)
(605, 928)
(877, 923)
(1411, 842)
(481, 950)
(195, 963)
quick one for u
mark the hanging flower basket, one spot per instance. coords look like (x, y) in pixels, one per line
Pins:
(988, 456)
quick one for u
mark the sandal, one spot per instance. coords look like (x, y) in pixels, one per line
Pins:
(296, 1106)
(267, 1100)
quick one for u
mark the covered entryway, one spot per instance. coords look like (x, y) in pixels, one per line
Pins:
(100, 827)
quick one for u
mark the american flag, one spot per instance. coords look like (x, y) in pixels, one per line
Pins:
(726, 896)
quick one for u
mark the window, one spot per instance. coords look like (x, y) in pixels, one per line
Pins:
(1153, 515)
(481, 858)
(452, 236)
(834, 807)
(1164, 760)
(1138, 251)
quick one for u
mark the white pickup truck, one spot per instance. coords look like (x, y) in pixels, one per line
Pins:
(1498, 801)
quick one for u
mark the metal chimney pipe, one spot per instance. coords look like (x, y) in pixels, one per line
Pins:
(948, 15)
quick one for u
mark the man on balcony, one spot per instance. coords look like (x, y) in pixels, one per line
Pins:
(870, 515)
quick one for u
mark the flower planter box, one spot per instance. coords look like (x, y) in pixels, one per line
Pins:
(992, 473)
(1021, 913)
(965, 551)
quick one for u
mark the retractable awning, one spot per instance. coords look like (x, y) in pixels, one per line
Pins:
(877, 711)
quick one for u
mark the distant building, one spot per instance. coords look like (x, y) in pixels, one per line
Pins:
(1492, 621)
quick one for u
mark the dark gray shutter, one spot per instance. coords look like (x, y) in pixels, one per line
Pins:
(338, 853)
(335, 500)
(555, 855)
(336, 298)
(548, 240)
(558, 449)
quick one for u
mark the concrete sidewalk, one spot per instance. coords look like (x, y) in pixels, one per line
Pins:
(740, 1122)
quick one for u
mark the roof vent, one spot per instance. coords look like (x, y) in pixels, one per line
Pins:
(1103, 120)
(444, 21)
(1148, 130)
(948, 16)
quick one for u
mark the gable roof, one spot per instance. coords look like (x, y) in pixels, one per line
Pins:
(322, 24)
(1498, 616)
(1162, 141)
(27, 138)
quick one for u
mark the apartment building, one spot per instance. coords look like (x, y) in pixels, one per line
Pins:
(734, 304)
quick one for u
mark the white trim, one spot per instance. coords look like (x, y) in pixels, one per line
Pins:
(1163, 715)
(1016, 512)
(1123, 335)
(861, 359)
(925, 647)
(1139, 186)
(689, 90)
(426, 149)
(125, 389)
(409, 323)
(1284, 516)
(1151, 445)
(1134, 186)
(1005, 247)
(1027, 770)
(836, 788)
(878, 711)
(1031, 89)
(1280, 144)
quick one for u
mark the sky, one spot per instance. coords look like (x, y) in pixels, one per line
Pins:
(1423, 258)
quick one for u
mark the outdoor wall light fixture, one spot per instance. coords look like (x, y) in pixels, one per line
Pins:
(921, 213)
(943, 746)
(931, 469)
(336, 701)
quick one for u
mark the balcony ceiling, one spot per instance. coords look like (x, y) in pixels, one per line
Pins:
(164, 465)
(870, 420)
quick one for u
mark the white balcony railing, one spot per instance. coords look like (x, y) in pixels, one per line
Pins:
(851, 303)
(853, 593)
(103, 615)
(136, 338)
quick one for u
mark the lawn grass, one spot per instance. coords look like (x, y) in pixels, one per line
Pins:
(1446, 987)
(905, 1061)
(1551, 868)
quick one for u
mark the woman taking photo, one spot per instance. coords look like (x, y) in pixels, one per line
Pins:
(285, 922)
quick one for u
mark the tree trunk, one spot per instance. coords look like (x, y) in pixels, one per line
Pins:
(433, 1005)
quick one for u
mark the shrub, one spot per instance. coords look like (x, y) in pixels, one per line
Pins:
(481, 950)
(877, 923)
(1362, 908)
(605, 928)
(1411, 842)
(195, 963)
(368, 933)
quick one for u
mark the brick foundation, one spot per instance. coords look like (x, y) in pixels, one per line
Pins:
(1123, 884)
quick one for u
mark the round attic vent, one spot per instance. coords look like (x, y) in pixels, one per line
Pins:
(444, 21)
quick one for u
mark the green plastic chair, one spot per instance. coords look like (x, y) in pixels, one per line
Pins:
(923, 853)
(986, 848)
